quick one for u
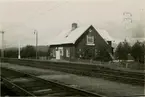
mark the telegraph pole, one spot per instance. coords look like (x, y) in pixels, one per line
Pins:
(36, 33)
(2, 50)
(19, 50)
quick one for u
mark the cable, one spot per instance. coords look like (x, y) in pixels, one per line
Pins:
(48, 10)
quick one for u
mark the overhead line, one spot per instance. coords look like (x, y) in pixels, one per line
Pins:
(48, 10)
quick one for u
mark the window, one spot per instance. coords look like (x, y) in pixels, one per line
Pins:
(53, 52)
(90, 30)
(61, 51)
(90, 40)
(96, 52)
(67, 53)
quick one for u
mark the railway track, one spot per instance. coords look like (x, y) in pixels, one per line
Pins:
(99, 72)
(24, 84)
(133, 78)
(139, 80)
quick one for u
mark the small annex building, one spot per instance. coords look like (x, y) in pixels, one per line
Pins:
(84, 42)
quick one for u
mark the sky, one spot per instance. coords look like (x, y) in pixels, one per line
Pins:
(19, 18)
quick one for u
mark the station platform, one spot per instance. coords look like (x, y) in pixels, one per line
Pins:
(96, 85)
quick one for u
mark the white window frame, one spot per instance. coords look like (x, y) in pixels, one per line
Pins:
(67, 52)
(92, 38)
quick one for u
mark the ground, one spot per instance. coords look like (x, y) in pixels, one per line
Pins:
(98, 85)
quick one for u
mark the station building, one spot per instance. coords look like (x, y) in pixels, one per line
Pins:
(81, 42)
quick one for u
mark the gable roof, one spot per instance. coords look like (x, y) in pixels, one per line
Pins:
(105, 35)
(70, 37)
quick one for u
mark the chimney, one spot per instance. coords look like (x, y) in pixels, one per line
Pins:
(74, 26)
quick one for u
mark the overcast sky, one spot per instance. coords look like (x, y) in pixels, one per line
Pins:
(19, 18)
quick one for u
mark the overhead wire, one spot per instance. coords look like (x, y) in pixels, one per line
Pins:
(48, 10)
(34, 15)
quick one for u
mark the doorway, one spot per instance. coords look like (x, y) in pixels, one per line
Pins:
(57, 54)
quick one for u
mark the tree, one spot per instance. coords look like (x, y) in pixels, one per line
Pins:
(11, 53)
(28, 52)
(138, 51)
(127, 47)
(104, 55)
(48, 53)
(118, 51)
(122, 50)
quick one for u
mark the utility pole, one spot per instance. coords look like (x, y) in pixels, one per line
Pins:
(36, 33)
(19, 50)
(2, 50)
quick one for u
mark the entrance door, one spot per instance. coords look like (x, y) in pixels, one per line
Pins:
(57, 54)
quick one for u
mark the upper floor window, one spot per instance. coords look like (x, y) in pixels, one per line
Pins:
(90, 40)
(90, 30)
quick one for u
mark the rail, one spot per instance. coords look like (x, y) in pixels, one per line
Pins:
(29, 85)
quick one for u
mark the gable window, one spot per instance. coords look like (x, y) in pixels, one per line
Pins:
(90, 30)
(67, 53)
(90, 40)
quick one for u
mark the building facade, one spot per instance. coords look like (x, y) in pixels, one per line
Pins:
(81, 43)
